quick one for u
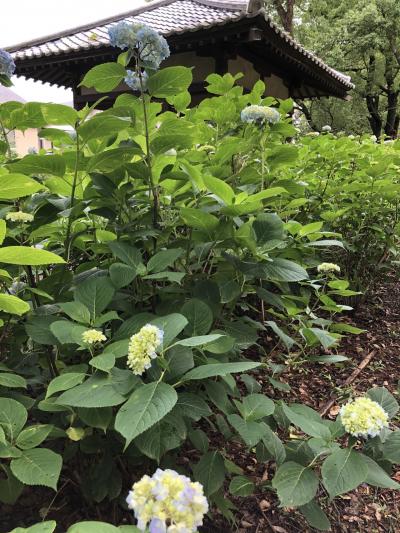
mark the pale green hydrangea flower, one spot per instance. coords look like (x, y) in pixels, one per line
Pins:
(19, 216)
(363, 417)
(328, 267)
(92, 336)
(168, 502)
(142, 348)
(258, 114)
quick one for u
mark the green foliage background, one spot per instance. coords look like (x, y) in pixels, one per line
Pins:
(211, 229)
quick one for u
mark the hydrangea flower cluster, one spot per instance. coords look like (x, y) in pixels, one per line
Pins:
(326, 128)
(132, 80)
(363, 417)
(151, 48)
(258, 114)
(7, 65)
(142, 348)
(91, 336)
(19, 216)
(168, 502)
(328, 267)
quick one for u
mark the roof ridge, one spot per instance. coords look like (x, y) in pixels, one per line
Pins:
(90, 25)
(248, 6)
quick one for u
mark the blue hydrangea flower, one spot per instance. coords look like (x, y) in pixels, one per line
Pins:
(133, 81)
(153, 48)
(150, 47)
(258, 114)
(7, 65)
(122, 36)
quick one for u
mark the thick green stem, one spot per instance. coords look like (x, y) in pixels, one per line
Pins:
(152, 188)
(262, 144)
(67, 243)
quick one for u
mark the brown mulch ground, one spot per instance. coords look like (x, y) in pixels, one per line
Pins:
(364, 510)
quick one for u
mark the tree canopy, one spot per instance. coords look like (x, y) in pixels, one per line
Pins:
(361, 39)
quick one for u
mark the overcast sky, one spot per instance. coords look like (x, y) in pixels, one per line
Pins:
(23, 20)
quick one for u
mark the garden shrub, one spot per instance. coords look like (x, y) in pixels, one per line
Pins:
(143, 257)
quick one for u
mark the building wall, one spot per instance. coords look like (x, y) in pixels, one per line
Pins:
(28, 140)
(203, 66)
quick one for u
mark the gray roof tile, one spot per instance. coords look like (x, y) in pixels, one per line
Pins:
(168, 17)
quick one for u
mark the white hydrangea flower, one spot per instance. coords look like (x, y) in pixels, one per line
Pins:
(19, 216)
(328, 267)
(92, 336)
(142, 348)
(326, 128)
(168, 502)
(258, 114)
(363, 417)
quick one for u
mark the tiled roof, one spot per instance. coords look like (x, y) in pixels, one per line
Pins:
(168, 17)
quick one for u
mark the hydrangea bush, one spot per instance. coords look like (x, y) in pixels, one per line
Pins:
(141, 262)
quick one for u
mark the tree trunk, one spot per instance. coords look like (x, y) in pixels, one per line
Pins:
(285, 14)
(372, 99)
(307, 113)
(392, 117)
(392, 93)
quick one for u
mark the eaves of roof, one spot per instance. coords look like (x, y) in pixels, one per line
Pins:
(170, 18)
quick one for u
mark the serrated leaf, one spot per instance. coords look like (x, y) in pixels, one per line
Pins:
(13, 305)
(64, 382)
(251, 432)
(218, 369)
(161, 260)
(96, 417)
(25, 255)
(210, 472)
(199, 316)
(95, 293)
(169, 81)
(122, 275)
(377, 476)
(343, 471)
(201, 220)
(241, 486)
(77, 311)
(391, 447)
(295, 484)
(171, 325)
(382, 396)
(284, 270)
(192, 406)
(38, 467)
(97, 391)
(40, 164)
(13, 417)
(14, 186)
(311, 425)
(147, 406)
(201, 340)
(315, 516)
(105, 77)
(255, 407)
(33, 436)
